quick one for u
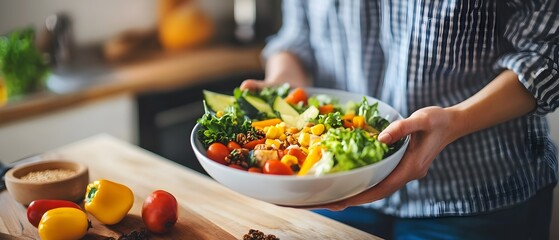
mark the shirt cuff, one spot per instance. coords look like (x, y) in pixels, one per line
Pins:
(538, 75)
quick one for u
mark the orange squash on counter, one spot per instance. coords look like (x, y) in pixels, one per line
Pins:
(184, 25)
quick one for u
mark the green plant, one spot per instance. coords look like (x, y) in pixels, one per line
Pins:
(21, 64)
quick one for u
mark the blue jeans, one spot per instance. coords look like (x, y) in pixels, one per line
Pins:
(528, 220)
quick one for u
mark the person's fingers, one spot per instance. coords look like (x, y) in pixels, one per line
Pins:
(394, 181)
(252, 84)
(400, 129)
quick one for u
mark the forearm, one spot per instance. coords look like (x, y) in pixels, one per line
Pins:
(501, 100)
(285, 67)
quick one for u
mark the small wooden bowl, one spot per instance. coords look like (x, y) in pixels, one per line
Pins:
(71, 188)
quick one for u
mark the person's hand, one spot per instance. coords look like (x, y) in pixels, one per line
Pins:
(431, 130)
(281, 68)
(255, 85)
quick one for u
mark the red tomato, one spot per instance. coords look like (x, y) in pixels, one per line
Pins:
(160, 211)
(276, 167)
(347, 122)
(255, 170)
(296, 96)
(250, 145)
(218, 152)
(37, 208)
(236, 166)
(299, 154)
(233, 145)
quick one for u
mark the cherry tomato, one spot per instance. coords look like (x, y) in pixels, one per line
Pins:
(37, 208)
(218, 152)
(250, 145)
(276, 167)
(160, 211)
(237, 166)
(255, 170)
(233, 145)
(296, 96)
(299, 154)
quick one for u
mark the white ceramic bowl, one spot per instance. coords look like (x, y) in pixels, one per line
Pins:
(304, 190)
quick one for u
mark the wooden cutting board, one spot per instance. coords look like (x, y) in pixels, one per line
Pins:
(209, 210)
(190, 225)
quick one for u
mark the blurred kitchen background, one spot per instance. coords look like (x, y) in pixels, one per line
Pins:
(135, 69)
(132, 68)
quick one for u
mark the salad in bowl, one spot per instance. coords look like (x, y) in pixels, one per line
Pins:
(295, 146)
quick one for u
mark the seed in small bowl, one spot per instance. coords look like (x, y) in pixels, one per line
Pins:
(48, 175)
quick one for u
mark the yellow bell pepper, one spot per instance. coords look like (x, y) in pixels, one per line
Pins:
(314, 156)
(359, 122)
(108, 201)
(65, 223)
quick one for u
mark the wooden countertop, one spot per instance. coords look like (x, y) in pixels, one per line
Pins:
(164, 72)
(208, 210)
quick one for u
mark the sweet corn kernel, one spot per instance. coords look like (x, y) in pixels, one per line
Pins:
(283, 137)
(274, 143)
(272, 132)
(305, 150)
(304, 139)
(292, 130)
(289, 160)
(219, 114)
(281, 130)
(317, 129)
(306, 130)
(315, 141)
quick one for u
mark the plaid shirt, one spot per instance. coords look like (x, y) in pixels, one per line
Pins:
(413, 54)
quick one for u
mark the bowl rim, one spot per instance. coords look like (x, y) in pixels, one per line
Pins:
(194, 142)
(81, 169)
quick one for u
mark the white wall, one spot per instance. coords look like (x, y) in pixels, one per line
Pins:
(95, 21)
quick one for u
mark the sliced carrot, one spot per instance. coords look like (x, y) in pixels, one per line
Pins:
(325, 109)
(250, 145)
(265, 123)
(296, 96)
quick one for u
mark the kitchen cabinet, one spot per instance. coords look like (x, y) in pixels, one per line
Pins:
(115, 115)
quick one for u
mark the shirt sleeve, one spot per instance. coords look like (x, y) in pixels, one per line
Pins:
(532, 29)
(293, 35)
